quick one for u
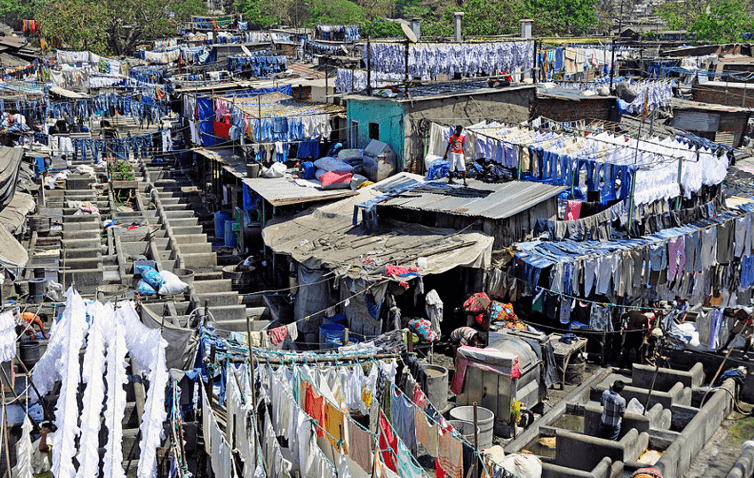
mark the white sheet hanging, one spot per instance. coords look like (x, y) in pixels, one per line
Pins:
(67, 410)
(94, 395)
(7, 337)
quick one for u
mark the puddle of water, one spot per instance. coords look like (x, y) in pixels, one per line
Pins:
(570, 422)
(538, 449)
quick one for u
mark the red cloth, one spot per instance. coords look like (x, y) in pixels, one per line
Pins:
(387, 439)
(314, 406)
(278, 335)
(335, 177)
(395, 270)
(477, 303)
(573, 210)
(222, 130)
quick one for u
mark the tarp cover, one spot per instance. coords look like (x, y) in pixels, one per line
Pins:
(10, 162)
(324, 238)
(181, 350)
(13, 256)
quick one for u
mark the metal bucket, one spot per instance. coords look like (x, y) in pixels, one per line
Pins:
(252, 170)
(111, 291)
(186, 275)
(465, 429)
(37, 290)
(29, 353)
(485, 421)
(436, 385)
(240, 280)
(40, 224)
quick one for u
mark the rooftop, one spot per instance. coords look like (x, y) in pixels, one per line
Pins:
(437, 91)
(504, 199)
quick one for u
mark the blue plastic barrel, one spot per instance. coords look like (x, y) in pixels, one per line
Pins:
(230, 236)
(220, 218)
(331, 336)
(335, 319)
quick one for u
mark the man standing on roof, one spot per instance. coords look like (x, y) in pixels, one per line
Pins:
(457, 161)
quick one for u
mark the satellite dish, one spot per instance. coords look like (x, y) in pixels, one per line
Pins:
(409, 33)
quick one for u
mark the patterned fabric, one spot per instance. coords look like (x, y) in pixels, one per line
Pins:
(614, 407)
(423, 328)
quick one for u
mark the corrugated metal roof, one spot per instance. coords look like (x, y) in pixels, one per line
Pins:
(505, 199)
(287, 191)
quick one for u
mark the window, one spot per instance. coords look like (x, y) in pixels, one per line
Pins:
(374, 131)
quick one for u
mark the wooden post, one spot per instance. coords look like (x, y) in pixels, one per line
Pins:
(6, 436)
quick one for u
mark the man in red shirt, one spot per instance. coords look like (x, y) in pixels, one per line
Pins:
(457, 162)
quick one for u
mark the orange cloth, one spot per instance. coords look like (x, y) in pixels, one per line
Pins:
(314, 406)
(334, 424)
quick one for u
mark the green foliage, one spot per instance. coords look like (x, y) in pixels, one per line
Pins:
(573, 17)
(381, 29)
(336, 12)
(713, 21)
(263, 13)
(114, 26)
(13, 12)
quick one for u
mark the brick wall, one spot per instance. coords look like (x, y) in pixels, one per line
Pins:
(724, 95)
(568, 110)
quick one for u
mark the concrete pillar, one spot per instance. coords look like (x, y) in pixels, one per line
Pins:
(526, 28)
(416, 27)
(458, 35)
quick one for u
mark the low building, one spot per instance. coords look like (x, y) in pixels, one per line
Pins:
(721, 124)
(401, 119)
(563, 105)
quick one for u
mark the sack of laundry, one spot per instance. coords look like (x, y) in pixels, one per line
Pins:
(172, 284)
(477, 303)
(150, 276)
(144, 288)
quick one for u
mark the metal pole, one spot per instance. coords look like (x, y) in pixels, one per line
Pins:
(476, 442)
(327, 61)
(535, 73)
(253, 385)
(369, 66)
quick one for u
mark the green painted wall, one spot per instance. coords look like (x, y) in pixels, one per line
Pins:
(387, 114)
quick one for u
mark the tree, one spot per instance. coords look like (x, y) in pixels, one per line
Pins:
(114, 26)
(482, 17)
(336, 12)
(713, 21)
(265, 13)
(570, 17)
(13, 12)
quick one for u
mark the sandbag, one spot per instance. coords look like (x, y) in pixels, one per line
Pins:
(332, 164)
(172, 284)
(151, 276)
(144, 288)
(348, 154)
(336, 180)
(523, 465)
(356, 180)
(277, 170)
